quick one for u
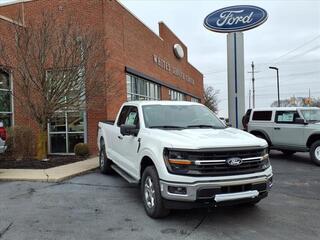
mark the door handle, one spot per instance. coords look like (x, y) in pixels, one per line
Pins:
(120, 137)
(277, 128)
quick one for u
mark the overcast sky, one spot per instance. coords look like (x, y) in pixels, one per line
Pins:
(289, 39)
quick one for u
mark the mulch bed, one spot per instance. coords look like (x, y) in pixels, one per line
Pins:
(7, 162)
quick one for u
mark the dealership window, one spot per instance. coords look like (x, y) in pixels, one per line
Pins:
(5, 98)
(176, 96)
(141, 89)
(67, 127)
(194, 99)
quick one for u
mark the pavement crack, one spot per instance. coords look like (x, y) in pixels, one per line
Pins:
(198, 225)
(5, 230)
(44, 171)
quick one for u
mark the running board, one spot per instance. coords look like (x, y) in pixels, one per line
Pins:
(125, 175)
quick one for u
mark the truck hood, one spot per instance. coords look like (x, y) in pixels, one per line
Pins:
(207, 138)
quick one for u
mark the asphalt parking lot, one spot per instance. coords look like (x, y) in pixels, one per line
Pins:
(95, 206)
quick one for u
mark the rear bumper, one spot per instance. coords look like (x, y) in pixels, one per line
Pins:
(217, 191)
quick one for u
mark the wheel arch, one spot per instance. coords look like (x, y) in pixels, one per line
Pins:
(145, 162)
(314, 137)
(263, 133)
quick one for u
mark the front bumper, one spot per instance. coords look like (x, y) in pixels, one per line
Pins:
(217, 191)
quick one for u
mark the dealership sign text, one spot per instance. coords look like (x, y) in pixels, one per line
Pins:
(165, 65)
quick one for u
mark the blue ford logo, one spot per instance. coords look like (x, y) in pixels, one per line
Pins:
(234, 162)
(235, 18)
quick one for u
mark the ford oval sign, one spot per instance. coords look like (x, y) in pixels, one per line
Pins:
(235, 19)
(234, 161)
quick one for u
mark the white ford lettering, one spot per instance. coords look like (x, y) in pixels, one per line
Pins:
(230, 18)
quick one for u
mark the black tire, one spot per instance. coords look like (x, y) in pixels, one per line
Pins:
(288, 152)
(264, 138)
(104, 162)
(157, 210)
(315, 152)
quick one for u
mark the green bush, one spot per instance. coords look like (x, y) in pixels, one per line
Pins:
(81, 149)
(21, 143)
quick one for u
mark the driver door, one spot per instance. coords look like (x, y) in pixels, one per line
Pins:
(129, 144)
(286, 132)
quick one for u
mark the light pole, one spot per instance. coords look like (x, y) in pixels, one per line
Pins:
(277, 69)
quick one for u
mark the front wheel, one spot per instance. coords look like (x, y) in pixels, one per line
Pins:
(151, 195)
(315, 152)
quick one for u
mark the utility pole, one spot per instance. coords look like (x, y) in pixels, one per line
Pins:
(249, 98)
(253, 87)
(278, 84)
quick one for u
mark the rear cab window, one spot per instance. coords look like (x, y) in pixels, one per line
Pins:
(262, 116)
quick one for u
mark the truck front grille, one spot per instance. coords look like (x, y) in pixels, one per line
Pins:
(215, 163)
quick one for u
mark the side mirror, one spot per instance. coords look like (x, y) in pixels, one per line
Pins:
(300, 121)
(129, 130)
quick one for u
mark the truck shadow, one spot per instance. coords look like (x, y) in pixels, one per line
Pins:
(301, 158)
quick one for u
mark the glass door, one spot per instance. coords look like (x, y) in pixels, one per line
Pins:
(66, 129)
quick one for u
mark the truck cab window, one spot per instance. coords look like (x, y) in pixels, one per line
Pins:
(123, 115)
(132, 117)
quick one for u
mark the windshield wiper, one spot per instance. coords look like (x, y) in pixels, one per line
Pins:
(167, 127)
(204, 126)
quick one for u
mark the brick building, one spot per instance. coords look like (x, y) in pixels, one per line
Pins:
(147, 66)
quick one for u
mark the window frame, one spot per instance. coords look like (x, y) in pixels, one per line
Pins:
(279, 112)
(262, 120)
(141, 89)
(10, 91)
(127, 110)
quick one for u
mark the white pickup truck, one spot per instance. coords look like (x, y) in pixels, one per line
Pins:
(183, 156)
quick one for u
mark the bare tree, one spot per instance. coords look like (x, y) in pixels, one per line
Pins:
(210, 96)
(57, 67)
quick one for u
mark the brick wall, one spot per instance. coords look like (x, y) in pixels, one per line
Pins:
(129, 44)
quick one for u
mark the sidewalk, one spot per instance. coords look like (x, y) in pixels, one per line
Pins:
(56, 174)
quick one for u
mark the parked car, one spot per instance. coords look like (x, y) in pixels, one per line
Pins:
(3, 137)
(288, 129)
(183, 156)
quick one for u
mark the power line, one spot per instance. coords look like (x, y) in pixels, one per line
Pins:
(295, 49)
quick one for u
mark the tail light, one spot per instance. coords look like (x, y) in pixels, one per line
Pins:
(3, 133)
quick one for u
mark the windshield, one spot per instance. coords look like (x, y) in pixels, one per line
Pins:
(180, 116)
(311, 115)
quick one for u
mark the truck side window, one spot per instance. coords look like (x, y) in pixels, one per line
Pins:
(286, 116)
(262, 115)
(123, 115)
(132, 117)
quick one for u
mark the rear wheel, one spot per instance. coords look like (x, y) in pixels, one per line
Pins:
(151, 195)
(104, 162)
(288, 152)
(315, 152)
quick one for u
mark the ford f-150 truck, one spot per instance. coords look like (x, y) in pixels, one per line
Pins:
(183, 156)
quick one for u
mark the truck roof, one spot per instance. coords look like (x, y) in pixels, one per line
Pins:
(283, 108)
(143, 103)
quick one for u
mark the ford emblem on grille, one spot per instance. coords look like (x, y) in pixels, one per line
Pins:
(234, 162)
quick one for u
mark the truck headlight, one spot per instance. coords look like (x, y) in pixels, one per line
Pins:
(176, 162)
(265, 158)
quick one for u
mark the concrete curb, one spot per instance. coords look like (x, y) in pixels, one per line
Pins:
(56, 174)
